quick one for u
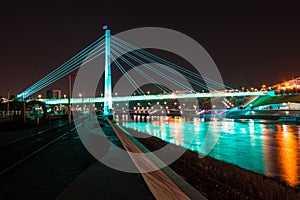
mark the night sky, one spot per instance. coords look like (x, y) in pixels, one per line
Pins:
(251, 43)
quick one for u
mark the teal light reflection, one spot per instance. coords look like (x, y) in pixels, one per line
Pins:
(240, 143)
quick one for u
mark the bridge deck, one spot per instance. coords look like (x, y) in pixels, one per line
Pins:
(154, 97)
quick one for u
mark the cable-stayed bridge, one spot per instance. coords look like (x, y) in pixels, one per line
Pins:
(117, 54)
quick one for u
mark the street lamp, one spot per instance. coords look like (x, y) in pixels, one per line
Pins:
(24, 108)
(81, 96)
(69, 102)
(8, 97)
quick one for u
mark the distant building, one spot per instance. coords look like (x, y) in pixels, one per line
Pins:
(279, 106)
(293, 84)
(53, 94)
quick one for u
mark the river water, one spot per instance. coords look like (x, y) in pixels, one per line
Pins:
(262, 146)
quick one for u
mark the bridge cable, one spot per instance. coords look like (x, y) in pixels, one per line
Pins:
(170, 63)
(77, 58)
(177, 74)
(65, 71)
(129, 78)
(139, 71)
(163, 75)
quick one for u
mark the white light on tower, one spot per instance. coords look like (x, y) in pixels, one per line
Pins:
(105, 27)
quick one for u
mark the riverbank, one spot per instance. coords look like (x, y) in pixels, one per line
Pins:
(219, 180)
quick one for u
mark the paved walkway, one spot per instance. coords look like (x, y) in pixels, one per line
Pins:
(102, 182)
(64, 171)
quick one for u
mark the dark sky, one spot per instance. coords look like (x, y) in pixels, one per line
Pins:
(251, 43)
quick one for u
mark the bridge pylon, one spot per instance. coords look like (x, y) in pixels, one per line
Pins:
(107, 76)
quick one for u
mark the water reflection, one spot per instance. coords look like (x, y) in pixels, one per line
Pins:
(261, 146)
(288, 154)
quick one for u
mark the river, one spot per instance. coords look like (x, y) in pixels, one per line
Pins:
(262, 146)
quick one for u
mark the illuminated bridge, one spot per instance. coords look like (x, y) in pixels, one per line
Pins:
(153, 97)
(117, 54)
